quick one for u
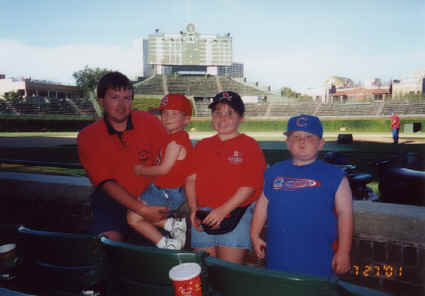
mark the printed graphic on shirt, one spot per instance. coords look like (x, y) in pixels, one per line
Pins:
(288, 183)
(235, 158)
(145, 155)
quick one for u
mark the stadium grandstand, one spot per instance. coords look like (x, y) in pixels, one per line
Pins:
(28, 96)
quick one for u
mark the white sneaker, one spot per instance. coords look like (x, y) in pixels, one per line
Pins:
(178, 230)
(173, 244)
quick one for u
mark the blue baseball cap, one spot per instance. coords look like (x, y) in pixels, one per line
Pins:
(307, 123)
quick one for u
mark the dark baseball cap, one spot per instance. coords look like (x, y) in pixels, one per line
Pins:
(230, 98)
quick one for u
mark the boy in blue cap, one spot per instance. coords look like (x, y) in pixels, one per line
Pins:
(307, 205)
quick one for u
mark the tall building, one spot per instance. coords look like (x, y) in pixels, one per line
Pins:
(190, 52)
(414, 83)
(236, 70)
(147, 68)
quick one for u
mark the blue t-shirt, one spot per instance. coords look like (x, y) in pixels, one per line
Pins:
(301, 222)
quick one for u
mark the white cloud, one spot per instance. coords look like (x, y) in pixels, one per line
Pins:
(59, 63)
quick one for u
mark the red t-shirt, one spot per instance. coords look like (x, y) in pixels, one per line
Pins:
(395, 121)
(222, 167)
(107, 156)
(176, 177)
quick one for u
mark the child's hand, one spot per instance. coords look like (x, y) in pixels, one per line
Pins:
(341, 262)
(215, 217)
(259, 246)
(195, 221)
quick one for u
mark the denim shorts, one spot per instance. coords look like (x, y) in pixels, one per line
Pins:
(238, 238)
(171, 198)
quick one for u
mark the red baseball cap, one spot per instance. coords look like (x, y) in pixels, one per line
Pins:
(176, 102)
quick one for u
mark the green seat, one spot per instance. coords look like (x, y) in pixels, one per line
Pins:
(226, 278)
(59, 263)
(140, 270)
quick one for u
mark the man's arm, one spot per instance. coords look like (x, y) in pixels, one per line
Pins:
(344, 211)
(120, 195)
(257, 224)
(170, 156)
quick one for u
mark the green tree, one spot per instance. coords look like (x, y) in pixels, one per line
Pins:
(287, 92)
(88, 78)
(13, 96)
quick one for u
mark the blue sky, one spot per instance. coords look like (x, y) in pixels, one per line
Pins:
(282, 43)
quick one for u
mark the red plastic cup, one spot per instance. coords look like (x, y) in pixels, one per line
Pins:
(186, 279)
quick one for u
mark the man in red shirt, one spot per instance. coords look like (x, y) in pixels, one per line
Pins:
(395, 126)
(110, 148)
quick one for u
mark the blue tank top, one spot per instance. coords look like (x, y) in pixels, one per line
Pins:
(301, 222)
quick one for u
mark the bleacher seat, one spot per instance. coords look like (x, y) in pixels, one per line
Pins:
(226, 278)
(139, 270)
(59, 263)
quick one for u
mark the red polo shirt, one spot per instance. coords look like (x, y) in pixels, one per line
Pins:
(176, 177)
(109, 155)
(222, 167)
(395, 121)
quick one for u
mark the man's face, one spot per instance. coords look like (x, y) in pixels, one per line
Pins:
(117, 105)
(304, 146)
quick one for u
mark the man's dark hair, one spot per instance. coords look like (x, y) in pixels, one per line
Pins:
(113, 80)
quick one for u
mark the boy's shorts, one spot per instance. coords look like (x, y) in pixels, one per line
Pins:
(107, 214)
(238, 238)
(171, 198)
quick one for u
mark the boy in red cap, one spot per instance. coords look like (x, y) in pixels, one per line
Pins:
(170, 175)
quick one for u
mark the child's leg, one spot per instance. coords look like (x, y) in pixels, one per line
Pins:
(143, 227)
(177, 227)
(234, 255)
(151, 232)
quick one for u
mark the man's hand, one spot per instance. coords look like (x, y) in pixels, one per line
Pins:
(341, 262)
(138, 169)
(154, 213)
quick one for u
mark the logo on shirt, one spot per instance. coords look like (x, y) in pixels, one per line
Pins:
(277, 183)
(288, 183)
(235, 158)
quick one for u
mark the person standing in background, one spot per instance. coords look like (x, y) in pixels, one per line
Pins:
(395, 126)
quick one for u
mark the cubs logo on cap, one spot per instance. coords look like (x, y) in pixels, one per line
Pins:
(176, 102)
(307, 123)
